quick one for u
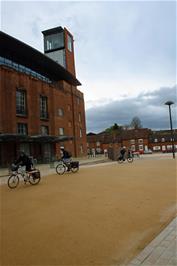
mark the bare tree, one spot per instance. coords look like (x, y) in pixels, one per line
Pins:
(136, 122)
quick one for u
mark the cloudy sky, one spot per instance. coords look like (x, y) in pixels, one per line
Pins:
(125, 54)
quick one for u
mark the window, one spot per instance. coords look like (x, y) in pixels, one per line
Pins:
(60, 112)
(156, 148)
(25, 147)
(70, 43)
(169, 147)
(141, 147)
(22, 129)
(81, 149)
(133, 147)
(20, 102)
(69, 107)
(163, 139)
(54, 41)
(43, 107)
(79, 117)
(97, 143)
(80, 133)
(61, 131)
(140, 140)
(132, 141)
(155, 140)
(23, 69)
(163, 148)
(58, 56)
(44, 130)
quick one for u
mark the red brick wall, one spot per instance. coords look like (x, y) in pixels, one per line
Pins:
(59, 96)
(70, 64)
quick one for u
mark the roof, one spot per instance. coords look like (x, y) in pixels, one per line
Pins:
(53, 30)
(23, 54)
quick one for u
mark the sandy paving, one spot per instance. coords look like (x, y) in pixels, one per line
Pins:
(100, 216)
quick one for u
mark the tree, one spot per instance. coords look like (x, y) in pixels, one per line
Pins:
(115, 127)
(136, 123)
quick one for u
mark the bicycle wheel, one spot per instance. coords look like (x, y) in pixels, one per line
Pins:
(13, 181)
(119, 160)
(60, 168)
(34, 180)
(130, 159)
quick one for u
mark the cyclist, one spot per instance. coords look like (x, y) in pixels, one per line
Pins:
(130, 155)
(66, 157)
(24, 160)
(122, 153)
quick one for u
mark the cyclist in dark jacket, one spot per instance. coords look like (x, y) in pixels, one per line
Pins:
(65, 154)
(24, 160)
(122, 153)
(66, 157)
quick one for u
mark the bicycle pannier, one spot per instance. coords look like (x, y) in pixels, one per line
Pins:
(36, 174)
(75, 164)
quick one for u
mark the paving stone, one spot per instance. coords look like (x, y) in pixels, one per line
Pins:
(165, 243)
(170, 237)
(136, 261)
(162, 250)
(155, 255)
(167, 255)
(145, 253)
(173, 261)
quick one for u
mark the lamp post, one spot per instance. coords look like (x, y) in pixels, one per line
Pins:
(169, 103)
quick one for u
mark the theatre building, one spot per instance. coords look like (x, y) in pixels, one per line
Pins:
(41, 108)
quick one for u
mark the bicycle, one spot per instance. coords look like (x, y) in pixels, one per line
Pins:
(121, 159)
(64, 166)
(17, 173)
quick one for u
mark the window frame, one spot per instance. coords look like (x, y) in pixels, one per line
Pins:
(44, 133)
(60, 112)
(59, 131)
(22, 132)
(43, 115)
(69, 43)
(24, 112)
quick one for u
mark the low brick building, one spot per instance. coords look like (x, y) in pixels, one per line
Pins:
(41, 108)
(161, 141)
(138, 140)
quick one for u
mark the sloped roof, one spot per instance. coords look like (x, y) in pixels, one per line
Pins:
(23, 54)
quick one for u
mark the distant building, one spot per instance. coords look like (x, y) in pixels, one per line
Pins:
(41, 108)
(138, 140)
(161, 140)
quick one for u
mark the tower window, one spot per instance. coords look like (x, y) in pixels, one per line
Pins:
(70, 48)
(53, 41)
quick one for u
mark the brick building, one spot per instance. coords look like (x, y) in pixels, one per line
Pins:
(41, 108)
(138, 140)
(161, 141)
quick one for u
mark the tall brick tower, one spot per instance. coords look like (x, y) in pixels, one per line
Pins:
(58, 45)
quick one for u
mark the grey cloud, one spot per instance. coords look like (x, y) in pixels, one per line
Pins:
(149, 107)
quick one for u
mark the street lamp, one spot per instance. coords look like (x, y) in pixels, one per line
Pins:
(169, 103)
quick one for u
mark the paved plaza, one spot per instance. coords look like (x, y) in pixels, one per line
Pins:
(106, 214)
(162, 250)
